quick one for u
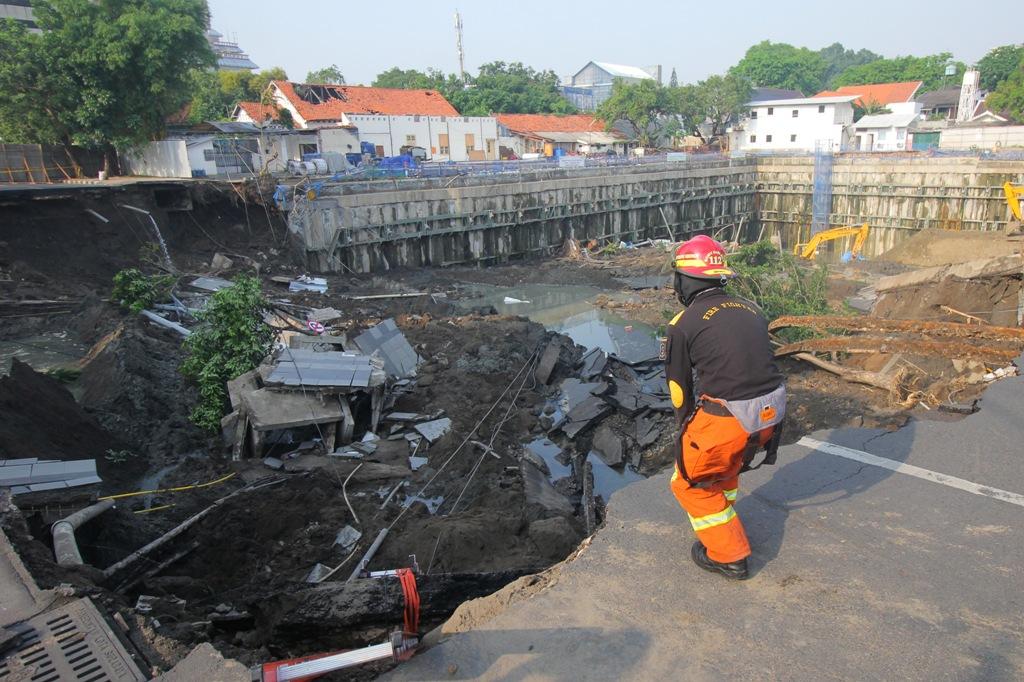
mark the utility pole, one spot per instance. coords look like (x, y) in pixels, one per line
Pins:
(458, 46)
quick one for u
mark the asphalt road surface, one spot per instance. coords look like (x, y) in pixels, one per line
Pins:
(861, 572)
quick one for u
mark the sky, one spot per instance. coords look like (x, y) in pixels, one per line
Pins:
(698, 39)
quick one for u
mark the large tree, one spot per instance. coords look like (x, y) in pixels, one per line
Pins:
(707, 108)
(650, 109)
(999, 64)
(779, 65)
(101, 73)
(409, 79)
(329, 74)
(510, 88)
(930, 69)
(838, 59)
(1008, 98)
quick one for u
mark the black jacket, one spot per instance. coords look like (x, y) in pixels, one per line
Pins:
(719, 347)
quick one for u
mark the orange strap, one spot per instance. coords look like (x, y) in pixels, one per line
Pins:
(411, 616)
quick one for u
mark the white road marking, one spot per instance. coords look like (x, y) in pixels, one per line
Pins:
(911, 470)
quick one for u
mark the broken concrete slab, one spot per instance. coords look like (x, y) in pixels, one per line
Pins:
(206, 663)
(212, 284)
(584, 415)
(536, 460)
(415, 463)
(975, 269)
(575, 392)
(405, 417)
(539, 491)
(400, 360)
(548, 360)
(628, 398)
(648, 430)
(434, 430)
(346, 538)
(593, 364)
(243, 383)
(608, 445)
(307, 283)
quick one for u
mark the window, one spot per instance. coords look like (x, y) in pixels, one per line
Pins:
(796, 112)
(470, 143)
(753, 138)
(442, 143)
(771, 110)
(882, 134)
(767, 138)
(792, 138)
(307, 149)
(753, 113)
(410, 140)
(821, 108)
(489, 144)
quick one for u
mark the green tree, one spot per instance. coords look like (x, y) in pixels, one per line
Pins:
(646, 106)
(409, 79)
(869, 108)
(509, 88)
(999, 64)
(101, 73)
(209, 101)
(722, 99)
(329, 74)
(780, 65)
(1008, 98)
(231, 340)
(258, 82)
(930, 69)
(838, 59)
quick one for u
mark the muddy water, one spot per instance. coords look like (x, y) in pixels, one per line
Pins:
(570, 310)
(42, 352)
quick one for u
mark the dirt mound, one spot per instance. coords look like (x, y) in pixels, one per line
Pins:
(40, 418)
(131, 383)
(928, 248)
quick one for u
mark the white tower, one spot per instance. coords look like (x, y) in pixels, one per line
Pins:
(968, 95)
(458, 46)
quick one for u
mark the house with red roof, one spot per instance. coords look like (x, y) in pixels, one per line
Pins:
(393, 121)
(544, 133)
(889, 95)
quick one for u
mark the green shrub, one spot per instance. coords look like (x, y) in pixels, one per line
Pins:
(779, 284)
(137, 291)
(231, 340)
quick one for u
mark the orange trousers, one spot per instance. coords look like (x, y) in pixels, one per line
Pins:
(713, 451)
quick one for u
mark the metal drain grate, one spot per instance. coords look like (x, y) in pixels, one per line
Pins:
(69, 644)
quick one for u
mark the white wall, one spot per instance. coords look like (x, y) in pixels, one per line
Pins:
(393, 132)
(810, 126)
(342, 140)
(888, 139)
(164, 159)
(982, 137)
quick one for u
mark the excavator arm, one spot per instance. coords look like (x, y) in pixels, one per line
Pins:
(1013, 197)
(860, 232)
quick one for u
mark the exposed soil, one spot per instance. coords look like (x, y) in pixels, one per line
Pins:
(242, 568)
(928, 248)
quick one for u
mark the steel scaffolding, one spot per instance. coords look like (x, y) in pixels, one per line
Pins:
(821, 201)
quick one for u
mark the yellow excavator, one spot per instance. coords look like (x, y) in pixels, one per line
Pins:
(1013, 197)
(859, 232)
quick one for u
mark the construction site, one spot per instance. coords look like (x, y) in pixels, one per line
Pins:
(449, 456)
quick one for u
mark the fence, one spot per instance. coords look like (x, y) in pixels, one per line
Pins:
(40, 163)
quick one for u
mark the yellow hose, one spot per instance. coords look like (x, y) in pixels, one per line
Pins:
(169, 490)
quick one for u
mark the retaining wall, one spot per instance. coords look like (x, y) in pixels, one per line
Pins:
(371, 226)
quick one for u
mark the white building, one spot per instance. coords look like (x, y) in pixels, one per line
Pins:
(20, 11)
(883, 132)
(795, 124)
(387, 118)
(590, 86)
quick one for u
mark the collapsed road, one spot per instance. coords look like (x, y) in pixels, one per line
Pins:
(486, 449)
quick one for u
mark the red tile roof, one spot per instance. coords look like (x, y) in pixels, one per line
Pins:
(335, 100)
(550, 123)
(880, 93)
(260, 112)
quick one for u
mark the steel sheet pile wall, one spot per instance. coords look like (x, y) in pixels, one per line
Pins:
(895, 195)
(494, 219)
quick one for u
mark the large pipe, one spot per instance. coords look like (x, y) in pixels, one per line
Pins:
(65, 547)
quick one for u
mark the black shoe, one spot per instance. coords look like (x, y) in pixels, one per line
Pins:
(737, 570)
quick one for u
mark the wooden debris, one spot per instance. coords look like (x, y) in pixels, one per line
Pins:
(910, 346)
(874, 324)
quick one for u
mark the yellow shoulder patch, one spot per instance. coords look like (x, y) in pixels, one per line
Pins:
(676, 393)
(676, 318)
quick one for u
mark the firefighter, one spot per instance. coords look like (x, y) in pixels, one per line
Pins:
(729, 400)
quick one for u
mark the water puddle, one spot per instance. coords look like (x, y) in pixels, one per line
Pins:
(42, 352)
(569, 310)
(607, 480)
(550, 453)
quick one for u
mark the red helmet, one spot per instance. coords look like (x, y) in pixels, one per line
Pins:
(702, 257)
